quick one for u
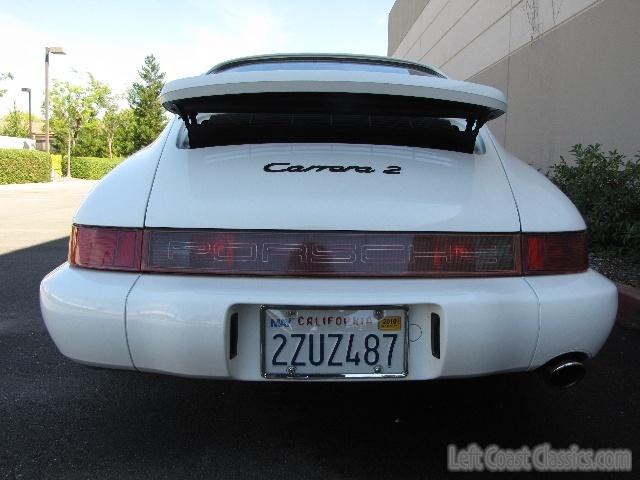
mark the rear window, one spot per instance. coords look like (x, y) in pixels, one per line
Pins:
(218, 129)
(346, 65)
(336, 117)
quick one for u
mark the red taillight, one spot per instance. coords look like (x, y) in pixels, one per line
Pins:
(338, 254)
(553, 253)
(105, 248)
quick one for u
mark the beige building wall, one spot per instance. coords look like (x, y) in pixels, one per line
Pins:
(570, 68)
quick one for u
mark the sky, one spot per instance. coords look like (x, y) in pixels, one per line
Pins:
(110, 38)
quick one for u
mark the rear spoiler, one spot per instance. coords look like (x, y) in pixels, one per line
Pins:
(323, 91)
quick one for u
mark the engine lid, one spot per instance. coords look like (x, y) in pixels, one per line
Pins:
(331, 187)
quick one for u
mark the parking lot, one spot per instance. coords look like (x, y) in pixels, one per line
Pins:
(62, 420)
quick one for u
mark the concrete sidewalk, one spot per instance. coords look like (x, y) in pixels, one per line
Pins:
(34, 213)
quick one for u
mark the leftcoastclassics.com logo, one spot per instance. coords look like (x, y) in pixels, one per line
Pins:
(541, 458)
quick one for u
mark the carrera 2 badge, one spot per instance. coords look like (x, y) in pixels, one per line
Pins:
(287, 167)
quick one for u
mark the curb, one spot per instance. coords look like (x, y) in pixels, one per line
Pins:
(628, 306)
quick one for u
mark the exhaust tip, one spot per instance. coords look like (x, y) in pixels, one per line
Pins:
(567, 374)
(564, 371)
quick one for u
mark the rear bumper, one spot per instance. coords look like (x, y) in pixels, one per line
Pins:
(179, 324)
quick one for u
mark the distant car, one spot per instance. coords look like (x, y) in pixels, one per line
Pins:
(340, 217)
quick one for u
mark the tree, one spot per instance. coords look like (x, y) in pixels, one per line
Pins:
(5, 76)
(144, 101)
(15, 124)
(124, 135)
(110, 123)
(70, 110)
(90, 141)
(73, 106)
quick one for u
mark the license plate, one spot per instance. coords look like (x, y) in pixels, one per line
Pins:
(354, 342)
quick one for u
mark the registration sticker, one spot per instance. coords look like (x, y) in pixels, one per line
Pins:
(390, 324)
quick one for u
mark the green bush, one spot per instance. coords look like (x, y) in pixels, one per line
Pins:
(90, 168)
(56, 163)
(24, 166)
(605, 186)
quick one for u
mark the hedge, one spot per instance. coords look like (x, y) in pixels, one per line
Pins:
(24, 166)
(605, 186)
(90, 168)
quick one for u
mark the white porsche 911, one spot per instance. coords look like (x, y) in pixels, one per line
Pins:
(328, 217)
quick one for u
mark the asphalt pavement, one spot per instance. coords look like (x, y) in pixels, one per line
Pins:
(63, 420)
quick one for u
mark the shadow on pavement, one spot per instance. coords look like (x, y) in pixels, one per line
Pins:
(61, 420)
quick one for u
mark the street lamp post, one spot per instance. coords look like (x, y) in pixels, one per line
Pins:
(28, 90)
(54, 51)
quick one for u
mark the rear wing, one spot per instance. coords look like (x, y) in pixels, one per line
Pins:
(323, 92)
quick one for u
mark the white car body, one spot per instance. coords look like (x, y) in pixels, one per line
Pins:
(181, 323)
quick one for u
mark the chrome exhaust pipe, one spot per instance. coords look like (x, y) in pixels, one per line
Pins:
(564, 371)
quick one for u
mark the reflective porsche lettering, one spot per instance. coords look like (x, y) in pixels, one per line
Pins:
(339, 253)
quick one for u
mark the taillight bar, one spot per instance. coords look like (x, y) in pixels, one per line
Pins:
(327, 254)
(338, 254)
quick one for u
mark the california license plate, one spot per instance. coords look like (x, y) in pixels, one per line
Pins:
(334, 342)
